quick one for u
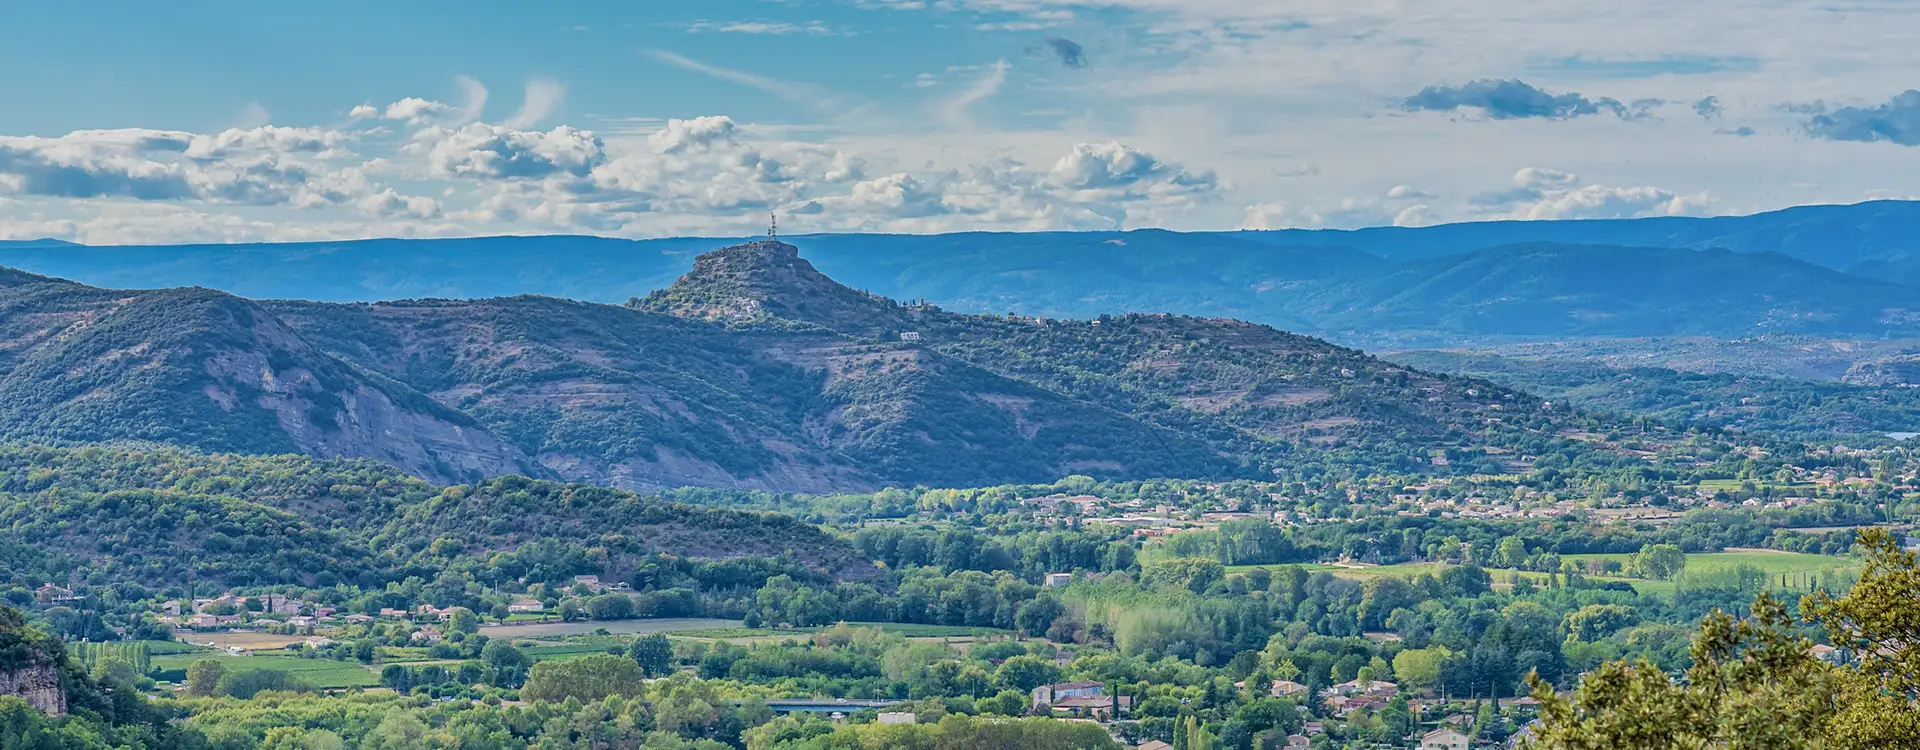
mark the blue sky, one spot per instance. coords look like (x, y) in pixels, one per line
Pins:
(227, 121)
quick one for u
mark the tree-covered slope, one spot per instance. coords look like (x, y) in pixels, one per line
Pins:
(168, 516)
(1254, 395)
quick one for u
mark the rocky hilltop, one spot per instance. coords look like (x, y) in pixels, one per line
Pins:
(754, 370)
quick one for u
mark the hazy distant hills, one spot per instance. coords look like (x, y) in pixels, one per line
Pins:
(1868, 404)
(1585, 290)
(1837, 237)
(752, 370)
(1848, 271)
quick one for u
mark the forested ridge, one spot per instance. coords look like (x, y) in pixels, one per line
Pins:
(754, 371)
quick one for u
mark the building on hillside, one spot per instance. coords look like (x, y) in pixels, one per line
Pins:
(1298, 741)
(1345, 705)
(1055, 580)
(896, 717)
(1444, 738)
(1047, 697)
(1095, 707)
(1288, 689)
(51, 594)
(523, 606)
(1153, 745)
(1374, 688)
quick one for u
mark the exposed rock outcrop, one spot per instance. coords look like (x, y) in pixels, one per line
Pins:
(38, 685)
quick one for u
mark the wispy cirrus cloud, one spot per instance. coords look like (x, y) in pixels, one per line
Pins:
(765, 28)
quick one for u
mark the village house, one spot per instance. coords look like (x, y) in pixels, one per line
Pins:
(428, 633)
(1050, 696)
(51, 594)
(1153, 745)
(1444, 738)
(1288, 689)
(1375, 689)
(523, 606)
(1297, 741)
(896, 717)
(1096, 707)
(285, 606)
(1055, 580)
(591, 582)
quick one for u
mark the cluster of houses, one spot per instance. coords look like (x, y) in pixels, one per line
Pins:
(232, 611)
(1343, 700)
(208, 613)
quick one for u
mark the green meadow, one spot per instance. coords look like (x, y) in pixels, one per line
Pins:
(324, 674)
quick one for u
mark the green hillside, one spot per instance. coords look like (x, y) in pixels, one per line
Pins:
(167, 517)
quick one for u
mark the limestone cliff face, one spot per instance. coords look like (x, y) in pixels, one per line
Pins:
(39, 686)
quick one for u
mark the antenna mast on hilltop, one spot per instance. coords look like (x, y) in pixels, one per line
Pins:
(773, 226)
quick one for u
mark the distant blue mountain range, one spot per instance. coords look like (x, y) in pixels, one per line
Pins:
(1830, 270)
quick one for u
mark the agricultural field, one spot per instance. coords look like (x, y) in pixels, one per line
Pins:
(1771, 562)
(324, 674)
(1735, 485)
(617, 627)
(909, 630)
(543, 651)
(1800, 569)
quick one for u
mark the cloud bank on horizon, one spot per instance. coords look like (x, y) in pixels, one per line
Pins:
(909, 116)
